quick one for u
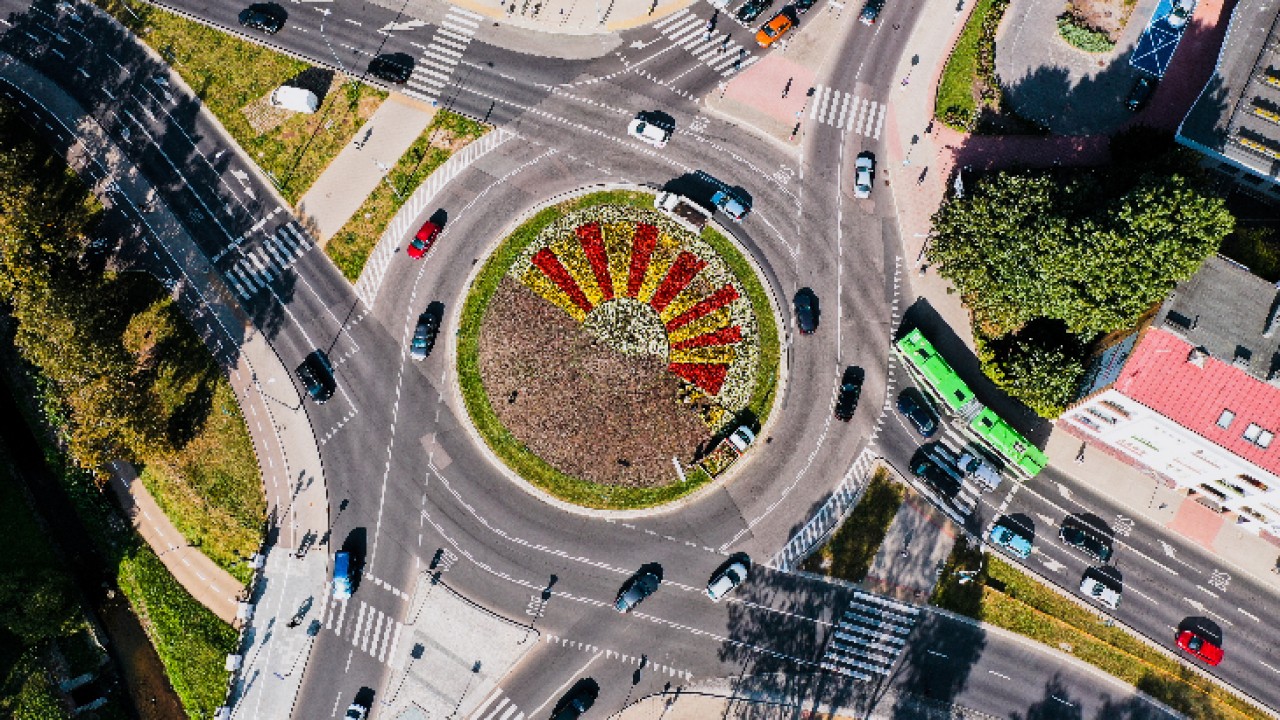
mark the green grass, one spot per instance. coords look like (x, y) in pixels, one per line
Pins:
(957, 104)
(1083, 37)
(505, 445)
(191, 641)
(850, 551)
(228, 73)
(350, 247)
(1004, 596)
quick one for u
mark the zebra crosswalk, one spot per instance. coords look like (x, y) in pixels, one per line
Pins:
(716, 50)
(869, 637)
(439, 58)
(970, 490)
(497, 707)
(848, 112)
(257, 267)
(364, 626)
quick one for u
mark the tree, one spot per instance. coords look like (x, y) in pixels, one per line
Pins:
(1041, 365)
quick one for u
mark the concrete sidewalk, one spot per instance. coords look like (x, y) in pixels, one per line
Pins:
(212, 586)
(356, 172)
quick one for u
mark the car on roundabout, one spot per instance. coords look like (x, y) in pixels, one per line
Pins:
(728, 578)
(636, 589)
(806, 303)
(916, 409)
(262, 16)
(423, 239)
(850, 390)
(864, 175)
(356, 711)
(643, 128)
(424, 335)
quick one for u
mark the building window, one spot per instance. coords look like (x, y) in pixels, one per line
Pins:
(1102, 416)
(1115, 407)
(1224, 420)
(1086, 421)
(1256, 435)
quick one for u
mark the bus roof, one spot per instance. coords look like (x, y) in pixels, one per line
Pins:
(946, 383)
(1001, 436)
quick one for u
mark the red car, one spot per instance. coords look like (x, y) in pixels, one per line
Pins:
(1200, 647)
(423, 241)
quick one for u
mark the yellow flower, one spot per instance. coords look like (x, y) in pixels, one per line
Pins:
(617, 245)
(567, 248)
(664, 254)
(549, 291)
(719, 354)
(713, 320)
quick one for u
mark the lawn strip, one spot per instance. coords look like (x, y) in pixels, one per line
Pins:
(852, 548)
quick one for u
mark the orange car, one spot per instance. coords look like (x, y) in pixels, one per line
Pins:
(777, 26)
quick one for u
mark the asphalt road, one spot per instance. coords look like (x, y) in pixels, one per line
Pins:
(406, 477)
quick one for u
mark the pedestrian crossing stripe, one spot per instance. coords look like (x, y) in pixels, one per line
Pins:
(688, 31)
(498, 707)
(869, 637)
(848, 112)
(441, 56)
(372, 631)
(256, 268)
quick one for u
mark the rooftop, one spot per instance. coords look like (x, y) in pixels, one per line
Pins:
(1237, 115)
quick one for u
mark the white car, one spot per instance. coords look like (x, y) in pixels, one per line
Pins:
(730, 577)
(356, 712)
(1100, 588)
(1181, 12)
(645, 131)
(864, 174)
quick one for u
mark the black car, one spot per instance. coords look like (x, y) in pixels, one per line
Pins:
(850, 390)
(1141, 93)
(578, 700)
(752, 9)
(927, 468)
(261, 16)
(1087, 539)
(424, 335)
(804, 6)
(636, 588)
(394, 68)
(870, 11)
(316, 374)
(916, 409)
(806, 311)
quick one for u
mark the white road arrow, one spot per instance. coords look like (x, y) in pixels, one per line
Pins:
(1195, 603)
(243, 177)
(408, 25)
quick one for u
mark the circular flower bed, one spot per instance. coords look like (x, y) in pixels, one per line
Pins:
(601, 342)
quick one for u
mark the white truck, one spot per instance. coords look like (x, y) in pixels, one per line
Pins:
(689, 214)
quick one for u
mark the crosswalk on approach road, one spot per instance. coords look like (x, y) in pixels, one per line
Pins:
(441, 56)
(258, 266)
(869, 637)
(848, 112)
(719, 52)
(497, 707)
(367, 628)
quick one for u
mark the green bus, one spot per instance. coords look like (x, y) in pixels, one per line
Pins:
(946, 385)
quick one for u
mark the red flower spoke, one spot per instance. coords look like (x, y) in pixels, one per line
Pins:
(723, 336)
(646, 239)
(715, 301)
(682, 271)
(549, 264)
(707, 376)
(593, 247)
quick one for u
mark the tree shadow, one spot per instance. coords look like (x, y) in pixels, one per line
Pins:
(1056, 704)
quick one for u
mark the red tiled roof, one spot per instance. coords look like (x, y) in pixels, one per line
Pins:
(1158, 375)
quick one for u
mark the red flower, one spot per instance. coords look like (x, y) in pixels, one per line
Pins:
(715, 301)
(678, 276)
(709, 377)
(723, 336)
(549, 264)
(646, 238)
(593, 247)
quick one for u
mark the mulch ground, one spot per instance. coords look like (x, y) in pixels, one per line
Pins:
(585, 409)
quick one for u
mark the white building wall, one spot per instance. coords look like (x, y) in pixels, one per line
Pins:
(1182, 456)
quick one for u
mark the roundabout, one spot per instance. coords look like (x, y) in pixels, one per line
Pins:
(604, 350)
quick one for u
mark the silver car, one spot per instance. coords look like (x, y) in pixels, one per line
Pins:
(727, 579)
(864, 174)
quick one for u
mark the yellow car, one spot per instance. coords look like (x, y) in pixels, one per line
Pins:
(777, 26)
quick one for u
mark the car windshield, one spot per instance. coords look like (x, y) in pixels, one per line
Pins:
(1194, 643)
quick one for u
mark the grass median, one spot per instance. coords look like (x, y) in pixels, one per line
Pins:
(1004, 596)
(969, 73)
(448, 132)
(232, 77)
(852, 548)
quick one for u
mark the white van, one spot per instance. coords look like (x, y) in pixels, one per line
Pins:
(295, 98)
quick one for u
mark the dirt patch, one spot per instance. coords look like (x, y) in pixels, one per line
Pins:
(1107, 16)
(447, 139)
(587, 410)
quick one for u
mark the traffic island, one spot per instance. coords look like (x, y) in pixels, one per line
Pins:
(604, 351)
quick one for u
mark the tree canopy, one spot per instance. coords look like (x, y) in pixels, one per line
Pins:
(1022, 246)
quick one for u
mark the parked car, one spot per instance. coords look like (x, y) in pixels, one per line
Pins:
(1100, 588)
(645, 130)
(635, 589)
(316, 375)
(916, 409)
(394, 68)
(263, 16)
(870, 11)
(806, 311)
(742, 438)
(775, 28)
(728, 578)
(1181, 12)
(1200, 646)
(850, 390)
(424, 335)
(1006, 534)
(1142, 91)
(423, 239)
(864, 175)
(1087, 539)
(752, 9)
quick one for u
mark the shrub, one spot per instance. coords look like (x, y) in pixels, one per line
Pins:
(1083, 37)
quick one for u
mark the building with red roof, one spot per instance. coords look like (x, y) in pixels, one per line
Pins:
(1193, 395)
